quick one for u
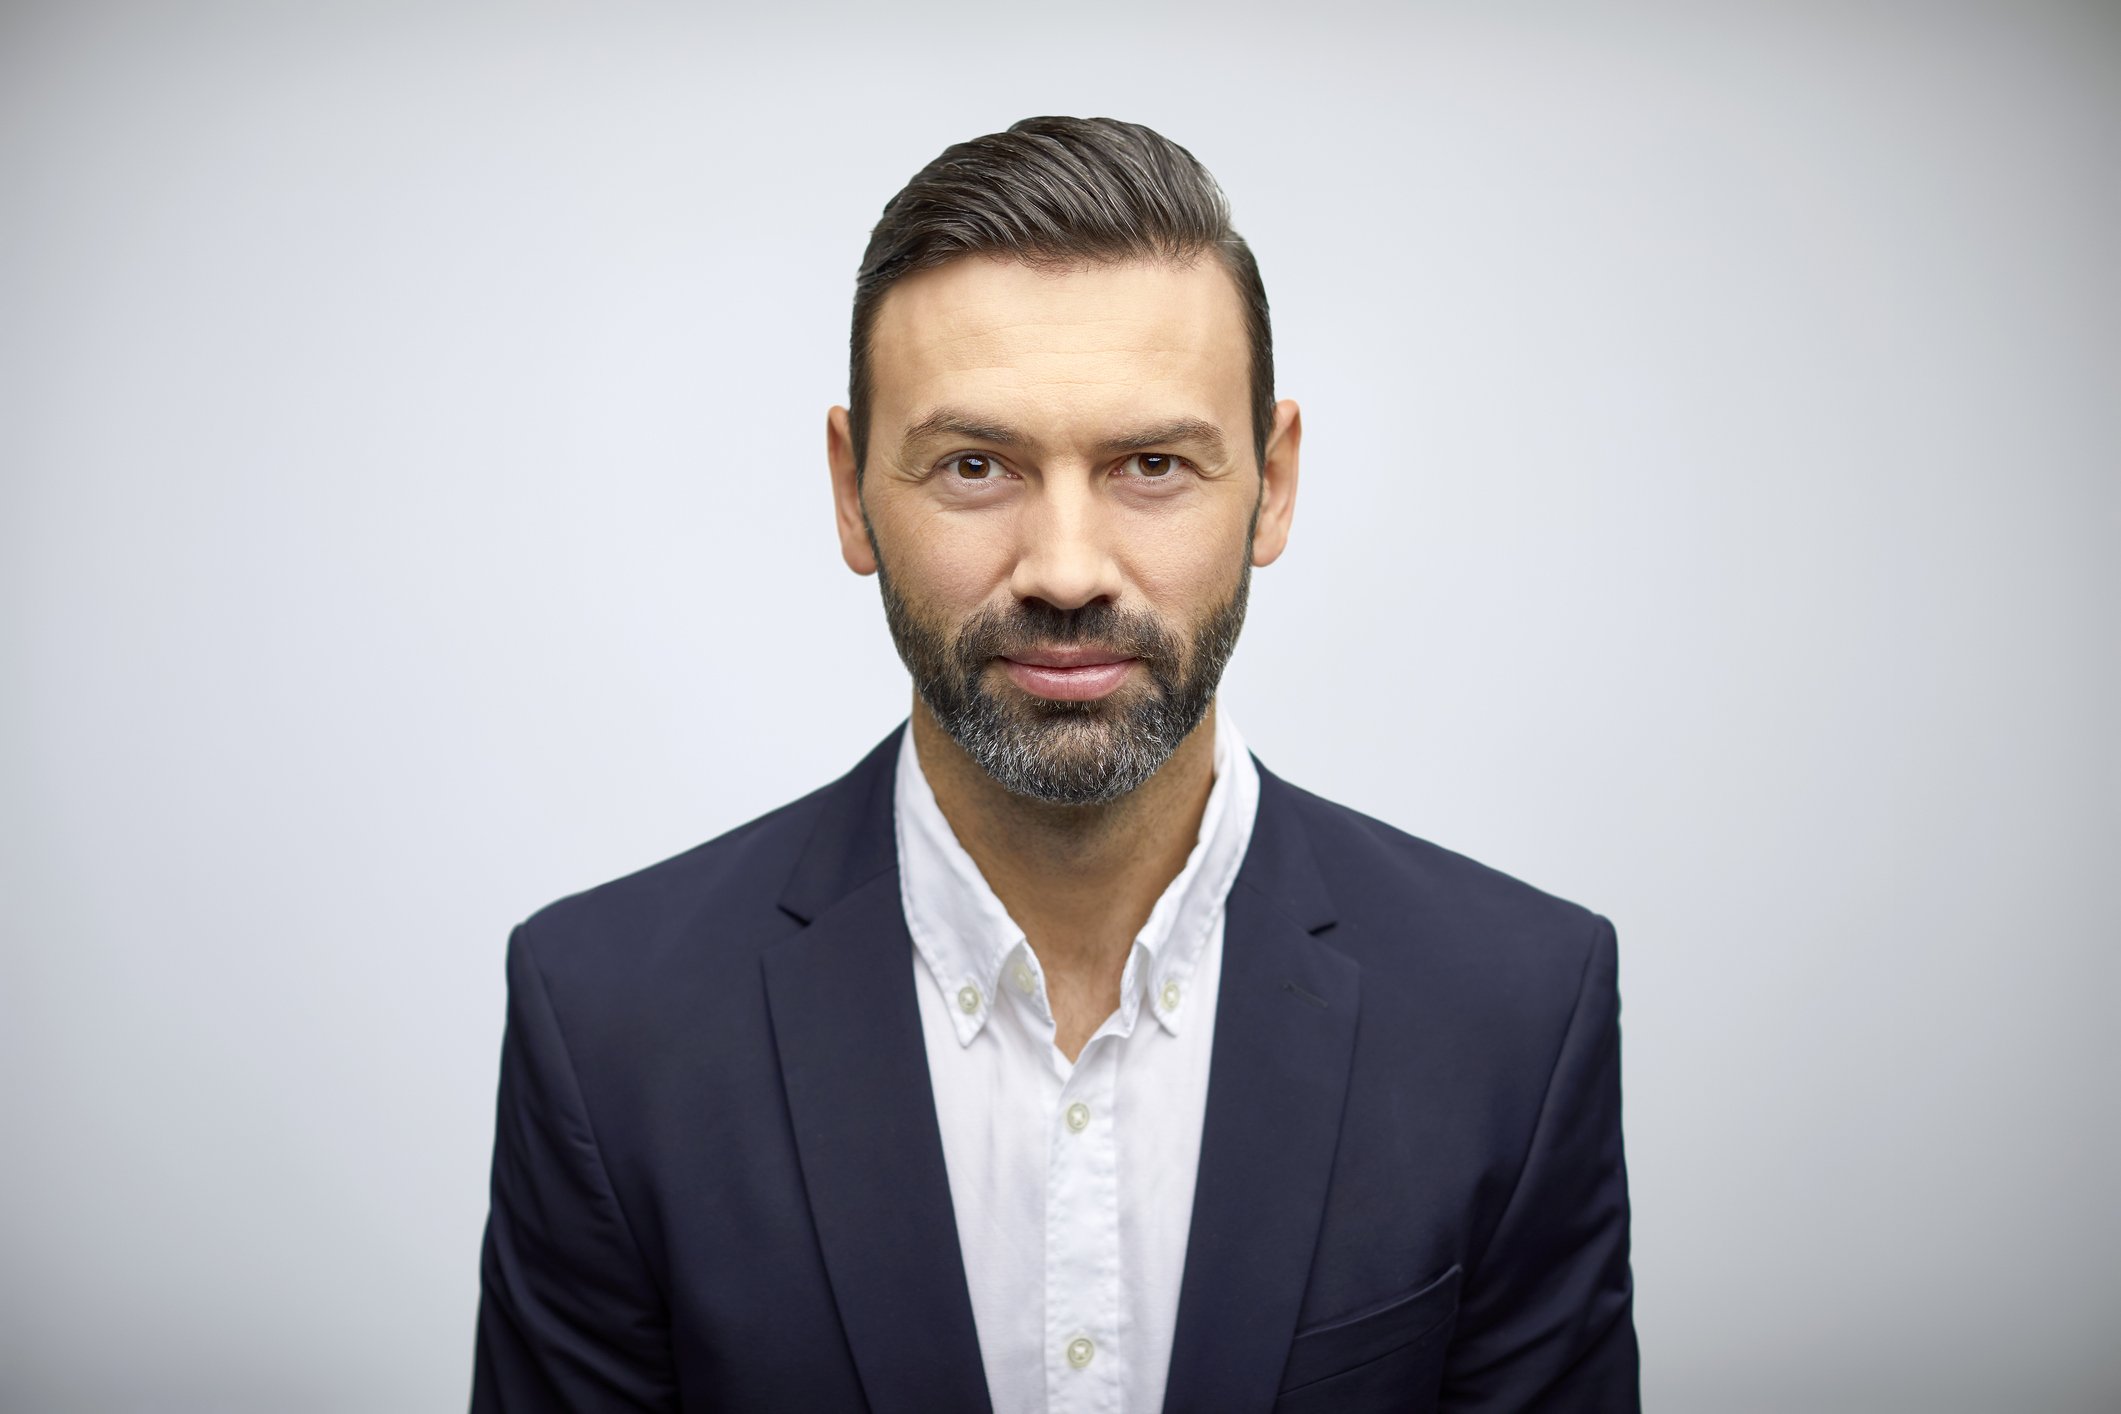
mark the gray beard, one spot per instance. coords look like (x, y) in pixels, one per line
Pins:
(1067, 753)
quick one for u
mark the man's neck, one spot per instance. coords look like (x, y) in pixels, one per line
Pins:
(1079, 879)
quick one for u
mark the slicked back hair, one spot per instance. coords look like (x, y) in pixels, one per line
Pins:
(1056, 192)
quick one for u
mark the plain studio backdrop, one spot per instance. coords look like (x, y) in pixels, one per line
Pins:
(415, 509)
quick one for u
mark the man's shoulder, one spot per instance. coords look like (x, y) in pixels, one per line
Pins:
(718, 900)
(1407, 907)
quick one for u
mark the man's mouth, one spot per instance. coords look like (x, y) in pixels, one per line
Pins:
(1076, 674)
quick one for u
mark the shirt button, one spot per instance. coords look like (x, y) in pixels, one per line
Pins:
(1023, 978)
(1170, 996)
(968, 998)
(1080, 1350)
(1079, 1120)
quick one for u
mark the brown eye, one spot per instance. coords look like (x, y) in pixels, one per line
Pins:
(1152, 466)
(974, 468)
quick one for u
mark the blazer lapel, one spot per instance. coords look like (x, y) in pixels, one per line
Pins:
(854, 1063)
(1284, 1038)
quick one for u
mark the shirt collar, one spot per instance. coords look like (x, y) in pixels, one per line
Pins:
(972, 947)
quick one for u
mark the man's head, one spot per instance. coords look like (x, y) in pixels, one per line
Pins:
(1063, 455)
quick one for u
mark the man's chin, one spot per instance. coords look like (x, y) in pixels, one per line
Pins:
(1061, 752)
(1030, 713)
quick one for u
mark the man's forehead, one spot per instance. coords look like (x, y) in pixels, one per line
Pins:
(979, 312)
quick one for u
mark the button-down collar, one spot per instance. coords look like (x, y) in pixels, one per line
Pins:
(974, 950)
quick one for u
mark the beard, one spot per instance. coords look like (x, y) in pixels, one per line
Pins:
(1063, 752)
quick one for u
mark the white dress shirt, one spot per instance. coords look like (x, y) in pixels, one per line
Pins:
(1072, 1182)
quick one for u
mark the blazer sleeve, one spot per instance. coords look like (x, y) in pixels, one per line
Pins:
(569, 1315)
(1548, 1319)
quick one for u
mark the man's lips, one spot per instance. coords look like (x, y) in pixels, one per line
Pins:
(1079, 655)
(1068, 674)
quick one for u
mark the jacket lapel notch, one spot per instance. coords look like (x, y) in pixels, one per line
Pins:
(1280, 863)
(852, 839)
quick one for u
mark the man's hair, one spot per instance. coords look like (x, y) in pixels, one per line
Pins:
(1055, 192)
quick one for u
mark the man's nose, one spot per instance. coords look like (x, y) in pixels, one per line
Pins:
(1064, 554)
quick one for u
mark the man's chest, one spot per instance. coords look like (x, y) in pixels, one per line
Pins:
(1072, 1185)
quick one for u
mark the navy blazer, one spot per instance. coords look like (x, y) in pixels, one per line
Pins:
(718, 1180)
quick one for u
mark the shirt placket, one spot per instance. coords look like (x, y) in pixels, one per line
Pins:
(1084, 1361)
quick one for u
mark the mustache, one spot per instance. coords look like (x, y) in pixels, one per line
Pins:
(999, 633)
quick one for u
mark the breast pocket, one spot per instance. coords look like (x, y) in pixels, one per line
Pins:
(1389, 1357)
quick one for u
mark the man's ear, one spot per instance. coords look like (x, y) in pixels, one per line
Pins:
(1277, 492)
(855, 548)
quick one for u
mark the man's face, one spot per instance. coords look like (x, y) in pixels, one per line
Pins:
(1063, 505)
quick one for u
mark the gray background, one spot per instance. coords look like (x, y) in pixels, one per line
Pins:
(414, 508)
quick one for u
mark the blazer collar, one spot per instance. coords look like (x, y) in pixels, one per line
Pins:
(852, 842)
(847, 1029)
(1280, 866)
(1277, 1082)
(854, 1066)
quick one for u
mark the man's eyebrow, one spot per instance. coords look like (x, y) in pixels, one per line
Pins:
(1201, 434)
(1197, 432)
(948, 422)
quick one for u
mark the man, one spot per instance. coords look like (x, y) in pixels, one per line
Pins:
(1059, 1056)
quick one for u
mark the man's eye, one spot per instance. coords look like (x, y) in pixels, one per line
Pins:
(973, 467)
(1152, 466)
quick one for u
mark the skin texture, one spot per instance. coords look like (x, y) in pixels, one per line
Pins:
(1067, 361)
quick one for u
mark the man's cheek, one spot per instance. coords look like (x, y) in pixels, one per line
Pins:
(955, 573)
(1179, 593)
